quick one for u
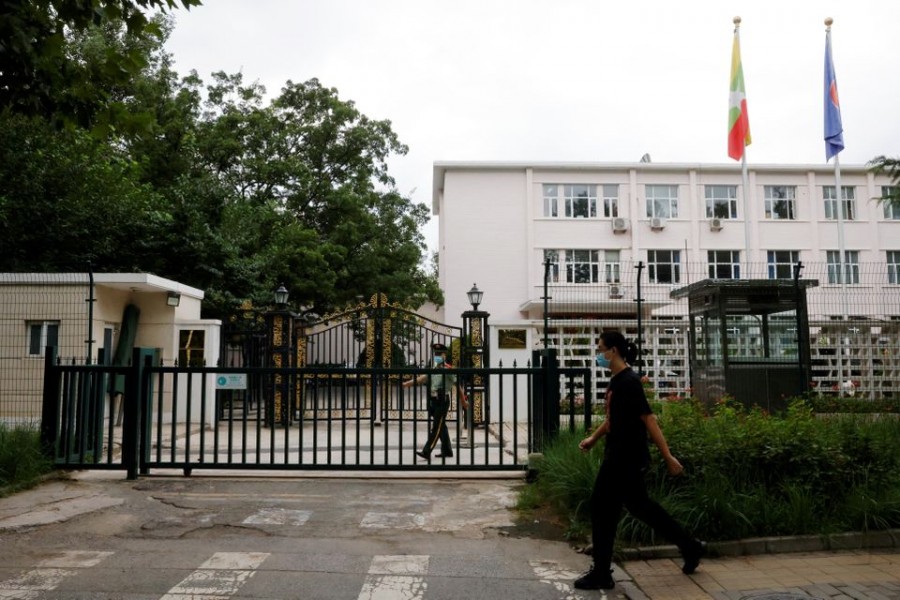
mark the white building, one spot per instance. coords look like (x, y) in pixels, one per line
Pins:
(596, 222)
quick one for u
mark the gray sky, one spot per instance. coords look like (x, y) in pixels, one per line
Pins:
(569, 80)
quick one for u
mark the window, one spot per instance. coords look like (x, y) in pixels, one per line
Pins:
(553, 257)
(582, 266)
(724, 264)
(611, 266)
(662, 201)
(664, 266)
(551, 203)
(781, 263)
(891, 209)
(848, 194)
(40, 335)
(780, 201)
(851, 266)
(721, 201)
(581, 201)
(610, 201)
(893, 265)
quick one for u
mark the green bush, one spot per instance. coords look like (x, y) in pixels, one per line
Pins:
(749, 473)
(21, 461)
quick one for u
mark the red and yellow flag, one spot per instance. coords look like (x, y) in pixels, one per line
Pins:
(738, 121)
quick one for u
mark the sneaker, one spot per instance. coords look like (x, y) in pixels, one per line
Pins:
(595, 579)
(692, 555)
(422, 455)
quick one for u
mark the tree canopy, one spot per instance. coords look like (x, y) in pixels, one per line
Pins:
(890, 167)
(213, 185)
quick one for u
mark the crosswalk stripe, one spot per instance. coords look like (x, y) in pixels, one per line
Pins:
(396, 577)
(552, 573)
(218, 578)
(392, 520)
(278, 516)
(50, 573)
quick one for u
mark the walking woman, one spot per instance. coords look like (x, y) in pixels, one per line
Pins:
(620, 481)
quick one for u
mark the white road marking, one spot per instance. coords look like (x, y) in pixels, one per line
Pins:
(396, 577)
(389, 520)
(552, 573)
(278, 516)
(218, 578)
(49, 574)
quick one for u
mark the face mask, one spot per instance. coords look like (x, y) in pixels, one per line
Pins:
(602, 361)
(438, 360)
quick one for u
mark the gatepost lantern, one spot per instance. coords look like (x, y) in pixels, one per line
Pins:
(475, 337)
(280, 329)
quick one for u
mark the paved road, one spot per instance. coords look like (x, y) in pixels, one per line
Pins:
(176, 538)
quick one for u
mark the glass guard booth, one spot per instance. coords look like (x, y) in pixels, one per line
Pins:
(749, 338)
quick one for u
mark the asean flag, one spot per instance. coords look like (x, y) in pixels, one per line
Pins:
(738, 121)
(834, 129)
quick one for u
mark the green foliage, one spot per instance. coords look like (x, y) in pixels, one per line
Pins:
(213, 186)
(750, 474)
(890, 167)
(21, 460)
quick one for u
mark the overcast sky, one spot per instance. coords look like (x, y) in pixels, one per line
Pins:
(569, 80)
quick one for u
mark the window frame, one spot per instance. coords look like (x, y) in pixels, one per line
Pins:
(729, 200)
(893, 266)
(891, 210)
(851, 259)
(771, 202)
(43, 338)
(848, 193)
(729, 260)
(653, 201)
(774, 263)
(654, 262)
(571, 201)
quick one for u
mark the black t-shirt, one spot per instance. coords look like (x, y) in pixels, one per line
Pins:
(626, 442)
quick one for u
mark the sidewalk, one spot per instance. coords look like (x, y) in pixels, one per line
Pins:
(841, 575)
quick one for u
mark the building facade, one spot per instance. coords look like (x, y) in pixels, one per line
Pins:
(601, 236)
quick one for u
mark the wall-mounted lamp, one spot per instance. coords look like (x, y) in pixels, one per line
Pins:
(281, 296)
(475, 295)
(173, 299)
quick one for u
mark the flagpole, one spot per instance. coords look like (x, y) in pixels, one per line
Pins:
(842, 274)
(745, 180)
(843, 267)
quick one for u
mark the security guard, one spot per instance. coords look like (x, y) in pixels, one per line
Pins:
(439, 403)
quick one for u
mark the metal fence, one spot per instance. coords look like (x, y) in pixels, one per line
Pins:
(854, 321)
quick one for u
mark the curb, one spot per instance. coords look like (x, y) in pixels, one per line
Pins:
(889, 538)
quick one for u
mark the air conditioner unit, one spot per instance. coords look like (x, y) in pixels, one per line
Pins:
(715, 224)
(615, 291)
(619, 225)
(657, 223)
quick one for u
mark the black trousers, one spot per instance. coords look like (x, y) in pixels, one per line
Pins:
(621, 485)
(438, 406)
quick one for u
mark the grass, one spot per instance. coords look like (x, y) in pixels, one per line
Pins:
(747, 474)
(22, 465)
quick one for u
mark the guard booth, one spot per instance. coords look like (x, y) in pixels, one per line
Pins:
(749, 338)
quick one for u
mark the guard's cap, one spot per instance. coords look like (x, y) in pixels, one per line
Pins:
(438, 347)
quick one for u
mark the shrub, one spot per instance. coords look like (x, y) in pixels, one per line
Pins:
(21, 460)
(749, 473)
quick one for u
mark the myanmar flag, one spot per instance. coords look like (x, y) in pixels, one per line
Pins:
(738, 121)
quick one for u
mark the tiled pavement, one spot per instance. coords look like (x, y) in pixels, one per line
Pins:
(841, 575)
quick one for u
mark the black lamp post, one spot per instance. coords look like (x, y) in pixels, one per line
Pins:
(280, 334)
(476, 345)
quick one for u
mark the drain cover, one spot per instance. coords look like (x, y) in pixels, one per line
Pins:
(779, 596)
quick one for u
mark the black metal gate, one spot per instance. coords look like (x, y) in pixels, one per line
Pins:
(348, 407)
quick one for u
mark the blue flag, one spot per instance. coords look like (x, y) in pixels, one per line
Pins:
(834, 130)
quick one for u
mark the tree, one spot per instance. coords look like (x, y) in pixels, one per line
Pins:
(882, 165)
(39, 71)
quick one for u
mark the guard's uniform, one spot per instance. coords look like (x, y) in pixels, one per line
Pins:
(438, 407)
